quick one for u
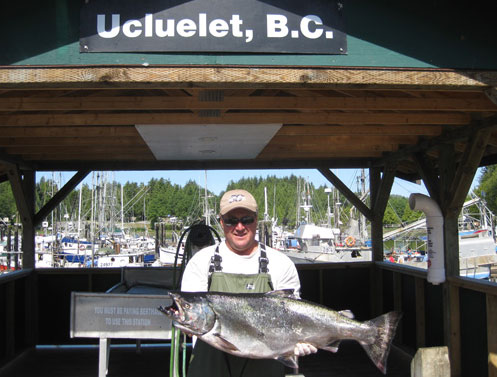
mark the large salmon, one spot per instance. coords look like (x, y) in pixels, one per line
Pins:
(269, 325)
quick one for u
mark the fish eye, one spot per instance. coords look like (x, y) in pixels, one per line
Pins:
(187, 306)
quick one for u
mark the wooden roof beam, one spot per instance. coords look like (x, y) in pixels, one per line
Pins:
(131, 118)
(154, 103)
(240, 77)
(60, 196)
(351, 197)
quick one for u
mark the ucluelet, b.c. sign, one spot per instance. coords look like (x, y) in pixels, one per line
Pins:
(244, 26)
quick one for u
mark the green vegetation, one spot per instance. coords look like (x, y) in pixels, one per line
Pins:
(487, 188)
(160, 199)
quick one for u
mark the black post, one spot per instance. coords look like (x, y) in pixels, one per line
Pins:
(156, 239)
(9, 246)
(16, 249)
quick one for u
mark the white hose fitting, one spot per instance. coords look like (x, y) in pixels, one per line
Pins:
(434, 229)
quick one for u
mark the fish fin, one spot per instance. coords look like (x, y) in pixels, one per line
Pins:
(386, 326)
(223, 343)
(347, 313)
(332, 347)
(289, 361)
(282, 293)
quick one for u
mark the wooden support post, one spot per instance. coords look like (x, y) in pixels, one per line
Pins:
(23, 188)
(28, 233)
(397, 300)
(455, 182)
(8, 336)
(451, 312)
(491, 334)
(376, 223)
(31, 309)
(420, 312)
(429, 176)
(375, 291)
(377, 245)
(452, 326)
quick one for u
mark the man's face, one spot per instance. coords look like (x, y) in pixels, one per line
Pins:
(240, 238)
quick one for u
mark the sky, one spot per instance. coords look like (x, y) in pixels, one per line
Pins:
(217, 180)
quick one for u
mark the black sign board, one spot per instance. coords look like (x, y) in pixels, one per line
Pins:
(244, 26)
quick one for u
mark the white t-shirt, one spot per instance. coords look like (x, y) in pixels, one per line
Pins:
(282, 270)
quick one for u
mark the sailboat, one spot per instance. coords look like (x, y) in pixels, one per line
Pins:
(318, 243)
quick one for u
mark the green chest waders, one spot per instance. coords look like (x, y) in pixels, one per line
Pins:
(208, 361)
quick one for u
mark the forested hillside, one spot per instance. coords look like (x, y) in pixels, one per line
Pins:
(160, 200)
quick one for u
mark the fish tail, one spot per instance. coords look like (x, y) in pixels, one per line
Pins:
(378, 351)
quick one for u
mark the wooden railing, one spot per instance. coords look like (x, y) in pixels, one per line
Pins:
(469, 305)
(35, 306)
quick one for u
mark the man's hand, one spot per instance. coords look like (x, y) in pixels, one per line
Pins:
(303, 349)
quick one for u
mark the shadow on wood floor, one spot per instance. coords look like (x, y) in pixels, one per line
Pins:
(153, 361)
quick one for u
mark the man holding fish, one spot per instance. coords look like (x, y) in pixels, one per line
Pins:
(239, 264)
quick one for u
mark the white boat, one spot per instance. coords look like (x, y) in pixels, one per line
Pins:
(167, 256)
(317, 243)
(477, 253)
(313, 238)
(121, 260)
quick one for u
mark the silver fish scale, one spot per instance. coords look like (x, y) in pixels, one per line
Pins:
(269, 326)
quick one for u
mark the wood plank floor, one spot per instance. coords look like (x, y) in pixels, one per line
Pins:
(153, 360)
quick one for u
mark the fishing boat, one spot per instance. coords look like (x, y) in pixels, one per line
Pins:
(326, 242)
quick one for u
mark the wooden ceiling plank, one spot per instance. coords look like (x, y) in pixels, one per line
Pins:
(75, 158)
(346, 140)
(452, 118)
(314, 154)
(73, 131)
(122, 103)
(68, 150)
(324, 148)
(330, 130)
(71, 141)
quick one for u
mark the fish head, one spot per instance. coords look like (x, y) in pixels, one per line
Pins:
(190, 312)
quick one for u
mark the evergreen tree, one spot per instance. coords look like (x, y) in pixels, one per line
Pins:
(7, 202)
(487, 188)
(160, 199)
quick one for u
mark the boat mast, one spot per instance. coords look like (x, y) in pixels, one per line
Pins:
(266, 215)
(206, 202)
(297, 220)
(92, 224)
(274, 204)
(328, 190)
(336, 207)
(122, 209)
(79, 212)
(307, 202)
(362, 224)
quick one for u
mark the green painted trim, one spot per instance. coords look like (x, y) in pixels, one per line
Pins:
(367, 55)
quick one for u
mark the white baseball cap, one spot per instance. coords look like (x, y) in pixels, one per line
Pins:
(237, 199)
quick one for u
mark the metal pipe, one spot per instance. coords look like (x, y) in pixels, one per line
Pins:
(434, 229)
